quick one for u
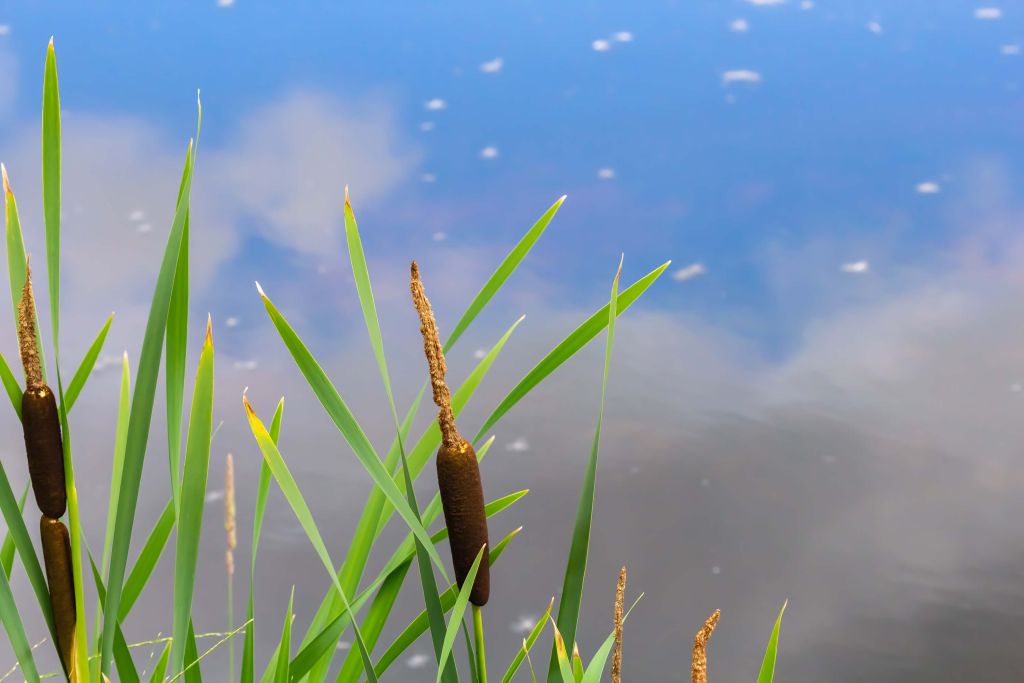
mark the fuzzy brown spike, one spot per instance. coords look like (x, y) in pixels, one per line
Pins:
(230, 515)
(620, 596)
(699, 670)
(435, 360)
(28, 335)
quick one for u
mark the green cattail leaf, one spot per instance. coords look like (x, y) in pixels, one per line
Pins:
(26, 550)
(346, 423)
(7, 550)
(262, 490)
(176, 343)
(577, 665)
(193, 497)
(17, 266)
(524, 651)
(569, 346)
(122, 655)
(11, 619)
(576, 566)
(81, 375)
(11, 385)
(284, 647)
(564, 669)
(120, 435)
(596, 667)
(160, 670)
(293, 495)
(458, 610)
(767, 672)
(152, 549)
(51, 186)
(193, 672)
(508, 266)
(419, 625)
(142, 412)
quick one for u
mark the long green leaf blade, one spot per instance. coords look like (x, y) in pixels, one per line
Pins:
(193, 497)
(767, 672)
(7, 550)
(576, 566)
(176, 343)
(285, 646)
(458, 610)
(146, 562)
(51, 185)
(81, 375)
(16, 637)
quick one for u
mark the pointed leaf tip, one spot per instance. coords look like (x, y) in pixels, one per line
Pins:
(7, 181)
(348, 204)
(260, 289)
(209, 329)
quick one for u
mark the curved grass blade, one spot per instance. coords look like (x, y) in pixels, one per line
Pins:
(7, 550)
(576, 566)
(568, 347)
(193, 497)
(262, 490)
(561, 657)
(51, 185)
(176, 343)
(595, 669)
(146, 562)
(767, 672)
(160, 670)
(503, 272)
(418, 626)
(298, 504)
(26, 551)
(17, 265)
(122, 655)
(142, 413)
(346, 423)
(11, 386)
(285, 646)
(528, 642)
(458, 610)
(88, 363)
(16, 637)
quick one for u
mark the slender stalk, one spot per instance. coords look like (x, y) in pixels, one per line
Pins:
(478, 638)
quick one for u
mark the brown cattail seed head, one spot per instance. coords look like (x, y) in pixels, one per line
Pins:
(57, 559)
(699, 670)
(458, 472)
(41, 426)
(28, 334)
(620, 597)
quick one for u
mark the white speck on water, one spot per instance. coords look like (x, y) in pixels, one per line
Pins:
(928, 187)
(601, 45)
(520, 445)
(716, 570)
(438, 236)
(689, 272)
(874, 27)
(417, 661)
(493, 66)
(489, 153)
(428, 178)
(523, 624)
(807, 4)
(214, 496)
(622, 37)
(766, 3)
(245, 364)
(1012, 50)
(5, 29)
(231, 322)
(988, 13)
(739, 26)
(436, 104)
(741, 76)
(144, 228)
(427, 126)
(606, 173)
(480, 354)
(225, 3)
(137, 215)
(856, 267)
(343, 645)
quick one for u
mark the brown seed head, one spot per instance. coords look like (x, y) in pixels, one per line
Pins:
(435, 360)
(27, 334)
(699, 670)
(620, 595)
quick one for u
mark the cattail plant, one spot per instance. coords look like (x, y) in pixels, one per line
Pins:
(620, 596)
(458, 473)
(699, 667)
(43, 445)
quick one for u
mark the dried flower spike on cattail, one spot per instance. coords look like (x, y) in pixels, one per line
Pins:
(57, 558)
(458, 473)
(39, 418)
(699, 669)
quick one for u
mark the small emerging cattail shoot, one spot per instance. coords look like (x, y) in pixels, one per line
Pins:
(699, 670)
(39, 418)
(57, 558)
(620, 596)
(458, 472)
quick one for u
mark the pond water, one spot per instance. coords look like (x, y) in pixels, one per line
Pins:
(821, 399)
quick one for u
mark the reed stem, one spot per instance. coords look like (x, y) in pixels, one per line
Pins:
(478, 641)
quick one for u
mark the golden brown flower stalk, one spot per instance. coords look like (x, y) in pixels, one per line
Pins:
(57, 558)
(458, 473)
(620, 596)
(39, 418)
(229, 515)
(699, 670)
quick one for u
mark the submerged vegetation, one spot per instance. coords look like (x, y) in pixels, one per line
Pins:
(355, 604)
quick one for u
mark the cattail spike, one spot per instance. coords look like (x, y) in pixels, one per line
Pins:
(435, 360)
(699, 670)
(27, 334)
(620, 595)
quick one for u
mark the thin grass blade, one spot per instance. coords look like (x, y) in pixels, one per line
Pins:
(767, 673)
(51, 185)
(146, 562)
(81, 375)
(528, 642)
(176, 343)
(160, 670)
(284, 647)
(458, 610)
